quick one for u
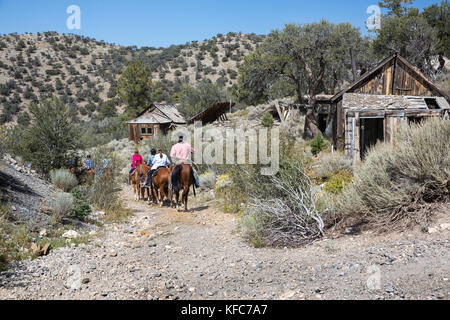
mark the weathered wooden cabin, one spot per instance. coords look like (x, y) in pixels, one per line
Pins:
(372, 108)
(156, 119)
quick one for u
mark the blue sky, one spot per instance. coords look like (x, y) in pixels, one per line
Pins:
(162, 23)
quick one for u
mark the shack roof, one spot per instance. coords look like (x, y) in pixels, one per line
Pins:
(361, 102)
(212, 113)
(167, 114)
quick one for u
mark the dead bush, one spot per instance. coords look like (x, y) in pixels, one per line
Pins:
(287, 215)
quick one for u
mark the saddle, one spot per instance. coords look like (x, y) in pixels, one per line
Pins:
(156, 171)
(143, 184)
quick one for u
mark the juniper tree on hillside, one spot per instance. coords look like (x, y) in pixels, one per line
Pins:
(306, 59)
(50, 137)
(135, 88)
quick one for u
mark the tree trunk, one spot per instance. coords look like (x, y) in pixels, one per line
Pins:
(311, 121)
(352, 57)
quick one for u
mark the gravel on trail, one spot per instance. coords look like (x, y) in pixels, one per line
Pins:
(164, 254)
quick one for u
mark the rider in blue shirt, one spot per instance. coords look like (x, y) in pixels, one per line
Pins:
(151, 157)
(88, 163)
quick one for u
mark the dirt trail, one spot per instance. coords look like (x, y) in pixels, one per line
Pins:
(165, 254)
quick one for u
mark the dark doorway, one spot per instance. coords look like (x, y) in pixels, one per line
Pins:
(323, 122)
(371, 131)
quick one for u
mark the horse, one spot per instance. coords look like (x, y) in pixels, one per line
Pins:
(138, 179)
(89, 175)
(182, 178)
(160, 180)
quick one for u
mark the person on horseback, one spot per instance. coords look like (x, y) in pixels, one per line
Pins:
(181, 153)
(159, 161)
(88, 163)
(136, 161)
(151, 157)
(104, 167)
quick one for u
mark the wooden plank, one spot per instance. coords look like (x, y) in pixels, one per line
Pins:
(357, 149)
(280, 114)
(388, 80)
(340, 119)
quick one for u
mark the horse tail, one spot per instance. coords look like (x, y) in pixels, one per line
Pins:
(176, 178)
(192, 175)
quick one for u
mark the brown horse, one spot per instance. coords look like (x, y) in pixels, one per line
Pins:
(182, 179)
(160, 180)
(138, 180)
(89, 175)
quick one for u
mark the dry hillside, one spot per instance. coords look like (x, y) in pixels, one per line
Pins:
(83, 72)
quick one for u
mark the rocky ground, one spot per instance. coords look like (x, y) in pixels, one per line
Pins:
(165, 254)
(23, 189)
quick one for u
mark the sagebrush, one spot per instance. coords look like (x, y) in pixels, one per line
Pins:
(397, 184)
(63, 179)
(61, 206)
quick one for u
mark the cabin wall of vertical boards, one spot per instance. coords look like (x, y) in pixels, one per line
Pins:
(375, 106)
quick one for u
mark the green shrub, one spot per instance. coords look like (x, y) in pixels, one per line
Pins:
(63, 179)
(267, 120)
(337, 180)
(102, 191)
(81, 208)
(396, 184)
(47, 142)
(318, 144)
(330, 163)
(61, 206)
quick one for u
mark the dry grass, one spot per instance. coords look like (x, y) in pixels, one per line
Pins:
(61, 206)
(63, 179)
(398, 184)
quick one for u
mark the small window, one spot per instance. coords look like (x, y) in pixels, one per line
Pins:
(147, 131)
(413, 119)
(432, 103)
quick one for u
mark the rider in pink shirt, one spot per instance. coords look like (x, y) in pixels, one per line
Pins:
(137, 160)
(181, 152)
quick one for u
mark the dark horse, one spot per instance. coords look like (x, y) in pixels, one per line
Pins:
(182, 179)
